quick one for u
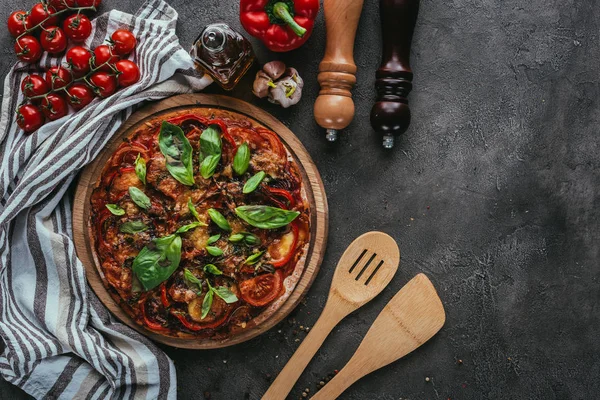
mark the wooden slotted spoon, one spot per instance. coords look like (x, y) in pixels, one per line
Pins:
(410, 319)
(365, 269)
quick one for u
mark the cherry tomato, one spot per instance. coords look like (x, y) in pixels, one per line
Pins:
(123, 41)
(262, 289)
(29, 118)
(78, 58)
(104, 83)
(58, 77)
(39, 13)
(79, 95)
(103, 55)
(77, 27)
(53, 40)
(88, 3)
(34, 85)
(129, 73)
(54, 106)
(16, 23)
(62, 4)
(28, 49)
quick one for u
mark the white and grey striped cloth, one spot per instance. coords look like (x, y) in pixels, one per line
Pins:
(58, 339)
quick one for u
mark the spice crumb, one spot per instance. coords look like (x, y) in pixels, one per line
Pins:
(224, 361)
(304, 394)
(427, 379)
(296, 340)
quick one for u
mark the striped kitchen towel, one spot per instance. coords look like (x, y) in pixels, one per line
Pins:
(56, 338)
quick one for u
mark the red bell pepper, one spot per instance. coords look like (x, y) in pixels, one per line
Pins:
(283, 25)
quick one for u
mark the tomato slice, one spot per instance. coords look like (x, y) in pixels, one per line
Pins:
(284, 250)
(262, 289)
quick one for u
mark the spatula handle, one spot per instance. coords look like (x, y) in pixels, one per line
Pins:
(283, 384)
(342, 381)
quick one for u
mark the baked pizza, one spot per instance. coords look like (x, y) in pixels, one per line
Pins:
(199, 223)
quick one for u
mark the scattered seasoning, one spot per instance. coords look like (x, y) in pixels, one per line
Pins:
(321, 383)
(304, 394)
(427, 379)
(207, 395)
(335, 371)
(224, 361)
(459, 361)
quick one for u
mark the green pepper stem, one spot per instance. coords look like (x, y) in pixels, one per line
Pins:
(282, 11)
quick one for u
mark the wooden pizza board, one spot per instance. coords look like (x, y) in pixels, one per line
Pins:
(315, 194)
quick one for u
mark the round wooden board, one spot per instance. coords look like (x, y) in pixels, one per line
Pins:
(315, 193)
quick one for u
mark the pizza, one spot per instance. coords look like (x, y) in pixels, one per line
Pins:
(199, 223)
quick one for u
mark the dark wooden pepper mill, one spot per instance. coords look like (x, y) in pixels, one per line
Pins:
(390, 115)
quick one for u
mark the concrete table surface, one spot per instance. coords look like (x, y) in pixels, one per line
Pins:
(493, 193)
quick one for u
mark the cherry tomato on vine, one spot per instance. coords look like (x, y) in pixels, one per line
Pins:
(88, 3)
(78, 58)
(53, 40)
(29, 118)
(77, 27)
(34, 85)
(79, 95)
(104, 83)
(123, 41)
(39, 13)
(103, 55)
(54, 106)
(129, 73)
(62, 4)
(58, 77)
(28, 49)
(16, 23)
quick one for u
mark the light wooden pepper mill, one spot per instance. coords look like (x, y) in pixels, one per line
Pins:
(390, 116)
(334, 108)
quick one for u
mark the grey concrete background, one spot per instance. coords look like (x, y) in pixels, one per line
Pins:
(493, 193)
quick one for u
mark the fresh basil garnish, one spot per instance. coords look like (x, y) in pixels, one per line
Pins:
(251, 240)
(266, 217)
(237, 237)
(252, 183)
(115, 209)
(253, 259)
(188, 227)
(212, 269)
(213, 239)
(140, 168)
(192, 278)
(178, 153)
(157, 261)
(193, 210)
(219, 219)
(214, 251)
(133, 227)
(139, 197)
(241, 161)
(207, 303)
(210, 146)
(226, 294)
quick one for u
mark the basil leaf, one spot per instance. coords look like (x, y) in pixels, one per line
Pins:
(139, 198)
(207, 304)
(251, 240)
(253, 182)
(178, 153)
(214, 251)
(140, 168)
(213, 239)
(133, 227)
(115, 209)
(193, 210)
(188, 227)
(157, 261)
(241, 161)
(219, 219)
(266, 217)
(212, 269)
(253, 259)
(236, 237)
(210, 146)
(226, 294)
(209, 165)
(191, 277)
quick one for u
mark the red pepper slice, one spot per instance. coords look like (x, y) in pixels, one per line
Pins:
(282, 25)
(282, 193)
(193, 326)
(102, 217)
(155, 326)
(179, 119)
(224, 131)
(163, 295)
(287, 257)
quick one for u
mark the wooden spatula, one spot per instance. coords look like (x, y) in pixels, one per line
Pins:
(410, 319)
(365, 269)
